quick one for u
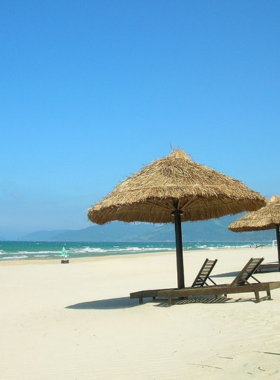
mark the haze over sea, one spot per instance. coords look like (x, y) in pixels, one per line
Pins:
(17, 250)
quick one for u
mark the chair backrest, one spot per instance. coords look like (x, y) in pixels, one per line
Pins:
(204, 273)
(247, 272)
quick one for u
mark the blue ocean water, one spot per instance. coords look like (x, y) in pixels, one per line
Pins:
(17, 250)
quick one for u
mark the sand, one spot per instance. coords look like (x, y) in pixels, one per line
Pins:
(76, 321)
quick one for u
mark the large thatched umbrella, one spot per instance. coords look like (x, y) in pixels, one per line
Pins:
(175, 189)
(266, 218)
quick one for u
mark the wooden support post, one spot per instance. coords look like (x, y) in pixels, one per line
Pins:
(278, 244)
(179, 248)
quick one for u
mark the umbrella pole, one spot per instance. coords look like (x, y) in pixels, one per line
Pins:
(278, 244)
(179, 248)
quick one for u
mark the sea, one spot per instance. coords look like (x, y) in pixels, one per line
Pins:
(25, 250)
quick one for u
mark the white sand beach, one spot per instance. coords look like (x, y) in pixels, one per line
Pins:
(76, 321)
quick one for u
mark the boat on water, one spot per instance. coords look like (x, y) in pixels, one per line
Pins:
(64, 255)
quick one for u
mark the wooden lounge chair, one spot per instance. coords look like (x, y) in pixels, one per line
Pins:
(204, 274)
(201, 280)
(239, 285)
(268, 267)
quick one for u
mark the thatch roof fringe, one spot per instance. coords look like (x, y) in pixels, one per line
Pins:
(265, 218)
(152, 193)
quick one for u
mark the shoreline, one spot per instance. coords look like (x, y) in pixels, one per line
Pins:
(89, 259)
(20, 253)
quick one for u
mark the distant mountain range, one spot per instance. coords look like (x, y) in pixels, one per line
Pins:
(214, 230)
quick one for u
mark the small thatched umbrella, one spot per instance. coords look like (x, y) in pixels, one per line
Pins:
(266, 218)
(175, 189)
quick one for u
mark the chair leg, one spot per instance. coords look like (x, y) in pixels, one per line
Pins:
(257, 296)
(268, 294)
(169, 300)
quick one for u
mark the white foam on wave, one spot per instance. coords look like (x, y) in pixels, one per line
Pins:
(228, 246)
(142, 249)
(86, 250)
(15, 257)
(38, 252)
(116, 249)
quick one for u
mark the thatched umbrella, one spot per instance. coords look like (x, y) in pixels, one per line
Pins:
(175, 189)
(266, 218)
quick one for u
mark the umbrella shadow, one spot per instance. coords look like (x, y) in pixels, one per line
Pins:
(106, 304)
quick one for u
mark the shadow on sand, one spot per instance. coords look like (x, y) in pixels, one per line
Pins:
(229, 274)
(234, 274)
(126, 302)
(107, 304)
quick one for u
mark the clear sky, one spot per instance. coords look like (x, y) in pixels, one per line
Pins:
(91, 91)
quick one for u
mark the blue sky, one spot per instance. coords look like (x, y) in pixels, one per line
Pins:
(91, 91)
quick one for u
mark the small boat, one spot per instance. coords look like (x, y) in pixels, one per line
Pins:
(64, 254)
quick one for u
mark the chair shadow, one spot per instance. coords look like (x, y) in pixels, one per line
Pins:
(228, 274)
(205, 300)
(106, 304)
(234, 274)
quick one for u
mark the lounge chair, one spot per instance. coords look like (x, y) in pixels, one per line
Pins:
(201, 280)
(239, 285)
(268, 267)
(204, 274)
